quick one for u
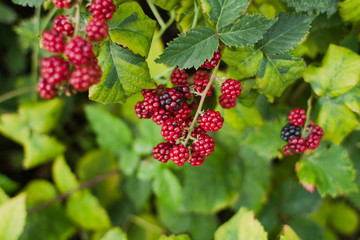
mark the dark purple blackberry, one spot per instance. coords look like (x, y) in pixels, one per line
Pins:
(170, 99)
(290, 131)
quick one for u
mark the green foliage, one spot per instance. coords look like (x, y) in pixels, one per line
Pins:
(309, 5)
(350, 10)
(288, 234)
(7, 14)
(30, 3)
(114, 234)
(166, 4)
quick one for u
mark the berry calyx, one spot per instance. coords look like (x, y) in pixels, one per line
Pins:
(312, 141)
(205, 145)
(297, 144)
(97, 30)
(53, 41)
(231, 88)
(162, 152)
(179, 77)
(290, 131)
(211, 121)
(83, 77)
(179, 154)
(213, 61)
(196, 159)
(102, 9)
(171, 129)
(79, 51)
(55, 70)
(297, 117)
(45, 89)
(62, 25)
(227, 103)
(61, 4)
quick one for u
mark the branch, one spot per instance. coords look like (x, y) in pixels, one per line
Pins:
(77, 18)
(15, 93)
(156, 14)
(309, 107)
(67, 194)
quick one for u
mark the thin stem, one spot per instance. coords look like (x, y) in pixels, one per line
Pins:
(145, 224)
(36, 50)
(77, 17)
(247, 8)
(196, 14)
(156, 14)
(165, 27)
(201, 103)
(308, 112)
(67, 194)
(48, 18)
(15, 93)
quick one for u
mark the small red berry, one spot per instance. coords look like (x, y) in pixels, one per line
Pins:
(142, 112)
(61, 4)
(45, 89)
(211, 121)
(62, 25)
(53, 41)
(205, 145)
(160, 116)
(83, 77)
(179, 154)
(200, 74)
(97, 30)
(317, 130)
(297, 117)
(201, 84)
(227, 103)
(179, 77)
(231, 88)
(214, 60)
(312, 141)
(102, 9)
(79, 51)
(287, 150)
(297, 144)
(171, 129)
(55, 69)
(196, 159)
(184, 90)
(182, 114)
(162, 152)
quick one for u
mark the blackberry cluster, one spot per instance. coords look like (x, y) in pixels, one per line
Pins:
(291, 133)
(76, 67)
(174, 108)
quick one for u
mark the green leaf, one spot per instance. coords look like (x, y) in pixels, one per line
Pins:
(338, 74)
(7, 14)
(336, 119)
(330, 169)
(85, 210)
(111, 132)
(13, 216)
(7, 184)
(343, 218)
(25, 32)
(167, 189)
(138, 190)
(3, 196)
(352, 99)
(30, 3)
(124, 74)
(166, 4)
(285, 34)
(174, 220)
(276, 73)
(128, 161)
(39, 191)
(307, 229)
(175, 237)
(350, 10)
(131, 28)
(248, 30)
(242, 226)
(242, 116)
(191, 49)
(245, 60)
(288, 234)
(64, 179)
(203, 226)
(309, 6)
(114, 234)
(223, 12)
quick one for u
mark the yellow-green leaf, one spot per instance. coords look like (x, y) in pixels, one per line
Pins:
(166, 4)
(288, 234)
(64, 179)
(350, 10)
(114, 234)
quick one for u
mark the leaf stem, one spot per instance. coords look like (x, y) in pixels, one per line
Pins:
(196, 14)
(308, 112)
(156, 14)
(165, 27)
(15, 93)
(77, 17)
(48, 18)
(247, 8)
(201, 103)
(36, 50)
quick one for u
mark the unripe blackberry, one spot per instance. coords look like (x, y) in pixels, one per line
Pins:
(290, 131)
(182, 114)
(46, 90)
(179, 77)
(79, 51)
(142, 112)
(312, 141)
(211, 121)
(55, 70)
(83, 77)
(53, 41)
(97, 30)
(316, 129)
(200, 74)
(179, 154)
(297, 117)
(61, 4)
(214, 60)
(287, 150)
(102, 9)
(62, 25)
(151, 99)
(184, 90)
(197, 131)
(162, 152)
(160, 116)
(201, 84)
(170, 99)
(231, 88)
(205, 145)
(297, 144)
(227, 103)
(196, 159)
(171, 129)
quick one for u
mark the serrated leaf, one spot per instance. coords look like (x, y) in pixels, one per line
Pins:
(167, 189)
(166, 4)
(350, 10)
(131, 28)
(30, 3)
(330, 169)
(248, 30)
(191, 49)
(352, 99)
(285, 34)
(111, 132)
(13, 217)
(124, 74)
(276, 73)
(63, 177)
(308, 6)
(288, 234)
(114, 234)
(242, 226)
(336, 119)
(338, 74)
(223, 12)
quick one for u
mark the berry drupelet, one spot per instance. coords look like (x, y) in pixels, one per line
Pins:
(62, 25)
(171, 129)
(211, 121)
(55, 70)
(162, 152)
(53, 41)
(79, 51)
(297, 144)
(179, 154)
(179, 77)
(231, 88)
(205, 145)
(297, 117)
(102, 9)
(97, 30)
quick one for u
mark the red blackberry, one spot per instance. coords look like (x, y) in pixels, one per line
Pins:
(231, 88)
(214, 60)
(227, 103)
(183, 113)
(312, 141)
(196, 159)
(160, 116)
(162, 152)
(297, 144)
(179, 154)
(83, 77)
(179, 77)
(201, 84)
(316, 129)
(142, 112)
(171, 129)
(79, 51)
(62, 25)
(53, 41)
(55, 69)
(287, 150)
(200, 74)
(170, 99)
(45, 89)
(102, 9)
(97, 30)
(205, 145)
(151, 100)
(297, 117)
(197, 131)
(290, 131)
(184, 90)
(211, 121)
(61, 4)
